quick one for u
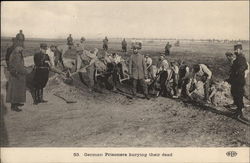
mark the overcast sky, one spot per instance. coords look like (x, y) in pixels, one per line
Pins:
(184, 19)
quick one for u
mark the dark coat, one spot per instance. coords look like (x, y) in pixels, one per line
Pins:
(20, 37)
(137, 66)
(124, 43)
(70, 40)
(16, 91)
(41, 74)
(8, 53)
(237, 73)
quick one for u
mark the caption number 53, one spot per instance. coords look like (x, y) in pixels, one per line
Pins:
(76, 154)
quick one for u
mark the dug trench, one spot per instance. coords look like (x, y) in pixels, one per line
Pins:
(108, 119)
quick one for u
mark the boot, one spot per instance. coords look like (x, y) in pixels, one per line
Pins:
(14, 107)
(147, 97)
(41, 96)
(36, 97)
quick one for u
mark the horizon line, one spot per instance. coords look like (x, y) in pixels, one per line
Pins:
(155, 38)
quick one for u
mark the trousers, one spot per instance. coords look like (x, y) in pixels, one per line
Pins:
(237, 92)
(142, 83)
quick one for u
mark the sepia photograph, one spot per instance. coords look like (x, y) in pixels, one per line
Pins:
(95, 74)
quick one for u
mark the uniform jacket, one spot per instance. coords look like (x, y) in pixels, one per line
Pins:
(237, 74)
(70, 40)
(40, 59)
(20, 37)
(137, 66)
(42, 67)
(16, 91)
(8, 53)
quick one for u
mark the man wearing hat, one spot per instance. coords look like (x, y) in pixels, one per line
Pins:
(124, 45)
(105, 43)
(237, 79)
(41, 76)
(20, 38)
(167, 48)
(163, 67)
(82, 43)
(138, 71)
(70, 41)
(16, 91)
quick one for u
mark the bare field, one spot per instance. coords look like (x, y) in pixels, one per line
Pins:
(112, 120)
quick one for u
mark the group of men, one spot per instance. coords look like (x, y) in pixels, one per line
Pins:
(19, 78)
(175, 78)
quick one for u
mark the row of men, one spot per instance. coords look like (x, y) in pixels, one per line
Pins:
(183, 75)
(140, 68)
(124, 44)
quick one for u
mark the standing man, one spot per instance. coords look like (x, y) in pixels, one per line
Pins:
(138, 71)
(82, 42)
(70, 41)
(237, 79)
(163, 67)
(42, 66)
(124, 45)
(167, 49)
(202, 73)
(149, 62)
(20, 38)
(58, 57)
(16, 91)
(105, 43)
(50, 51)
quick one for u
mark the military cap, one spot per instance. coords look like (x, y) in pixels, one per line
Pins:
(229, 54)
(136, 46)
(238, 46)
(43, 46)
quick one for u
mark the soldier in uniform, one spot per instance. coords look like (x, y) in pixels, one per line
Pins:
(70, 41)
(167, 48)
(138, 70)
(105, 43)
(20, 38)
(41, 76)
(16, 91)
(237, 79)
(124, 45)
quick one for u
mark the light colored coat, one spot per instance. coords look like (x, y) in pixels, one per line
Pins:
(137, 66)
(16, 91)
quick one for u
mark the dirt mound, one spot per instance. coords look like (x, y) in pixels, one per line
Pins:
(222, 94)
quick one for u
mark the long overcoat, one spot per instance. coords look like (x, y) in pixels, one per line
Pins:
(137, 66)
(16, 91)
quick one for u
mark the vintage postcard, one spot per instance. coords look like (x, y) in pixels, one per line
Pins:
(125, 81)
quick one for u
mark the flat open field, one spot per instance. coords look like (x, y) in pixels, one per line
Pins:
(112, 120)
